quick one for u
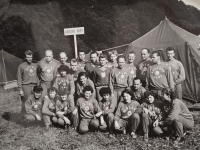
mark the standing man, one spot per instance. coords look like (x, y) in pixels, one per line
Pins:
(144, 65)
(47, 70)
(26, 78)
(177, 70)
(130, 65)
(159, 75)
(89, 67)
(119, 78)
(100, 75)
(81, 59)
(75, 69)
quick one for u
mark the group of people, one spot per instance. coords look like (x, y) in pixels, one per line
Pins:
(106, 93)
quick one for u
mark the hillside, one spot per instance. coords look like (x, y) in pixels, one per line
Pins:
(38, 24)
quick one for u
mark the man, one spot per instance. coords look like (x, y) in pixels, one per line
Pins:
(89, 67)
(100, 75)
(177, 70)
(81, 59)
(112, 58)
(27, 78)
(63, 59)
(119, 78)
(47, 70)
(138, 90)
(159, 75)
(143, 66)
(75, 69)
(130, 65)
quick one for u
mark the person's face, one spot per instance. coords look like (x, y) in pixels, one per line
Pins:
(150, 99)
(52, 94)
(63, 58)
(145, 54)
(102, 61)
(131, 58)
(81, 55)
(93, 58)
(63, 73)
(137, 84)
(113, 57)
(48, 56)
(29, 58)
(170, 54)
(127, 97)
(64, 97)
(83, 80)
(106, 97)
(121, 62)
(87, 94)
(155, 58)
(37, 95)
(73, 66)
(166, 97)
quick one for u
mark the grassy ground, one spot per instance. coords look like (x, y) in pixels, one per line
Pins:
(15, 136)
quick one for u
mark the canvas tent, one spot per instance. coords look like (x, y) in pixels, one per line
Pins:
(8, 65)
(167, 34)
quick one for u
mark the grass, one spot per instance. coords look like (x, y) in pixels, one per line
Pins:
(15, 136)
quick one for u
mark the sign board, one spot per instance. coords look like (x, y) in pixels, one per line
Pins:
(74, 31)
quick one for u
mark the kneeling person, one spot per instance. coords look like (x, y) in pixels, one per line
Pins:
(64, 111)
(49, 107)
(33, 105)
(89, 110)
(107, 105)
(152, 114)
(127, 114)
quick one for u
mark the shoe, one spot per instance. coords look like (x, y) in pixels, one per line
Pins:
(179, 140)
(134, 136)
(146, 138)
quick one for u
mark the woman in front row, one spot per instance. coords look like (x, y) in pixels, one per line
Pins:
(178, 115)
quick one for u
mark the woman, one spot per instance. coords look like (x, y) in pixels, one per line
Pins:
(178, 115)
(127, 113)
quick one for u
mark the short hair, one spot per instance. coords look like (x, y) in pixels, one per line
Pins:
(93, 53)
(157, 52)
(63, 53)
(128, 91)
(81, 51)
(137, 78)
(37, 89)
(102, 56)
(62, 92)
(148, 50)
(52, 89)
(112, 52)
(170, 49)
(148, 93)
(49, 51)
(169, 92)
(88, 88)
(63, 68)
(104, 90)
(131, 52)
(121, 56)
(28, 52)
(82, 74)
(73, 60)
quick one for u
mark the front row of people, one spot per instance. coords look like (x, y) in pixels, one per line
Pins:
(158, 117)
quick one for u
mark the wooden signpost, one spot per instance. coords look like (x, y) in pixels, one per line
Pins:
(74, 31)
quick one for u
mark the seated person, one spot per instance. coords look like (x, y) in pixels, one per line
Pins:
(49, 107)
(33, 105)
(178, 115)
(89, 110)
(82, 82)
(107, 105)
(127, 113)
(64, 111)
(152, 114)
(65, 82)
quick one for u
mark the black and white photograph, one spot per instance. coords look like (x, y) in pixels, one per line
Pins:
(99, 74)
